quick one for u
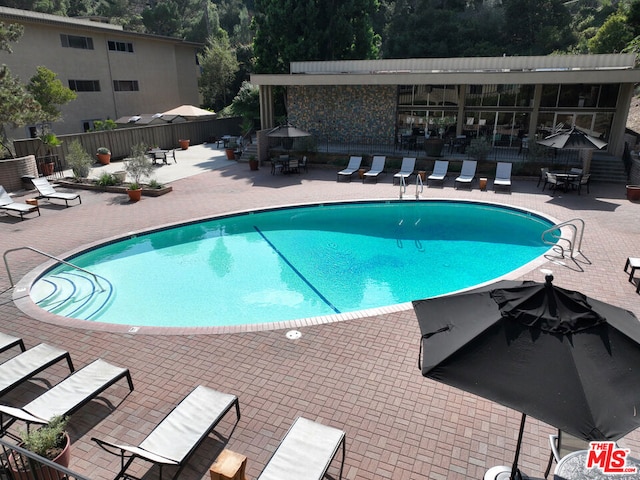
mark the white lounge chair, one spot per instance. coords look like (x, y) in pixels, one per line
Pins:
(467, 173)
(46, 190)
(439, 174)
(503, 175)
(352, 167)
(406, 169)
(305, 452)
(377, 167)
(67, 396)
(9, 341)
(177, 436)
(22, 367)
(7, 203)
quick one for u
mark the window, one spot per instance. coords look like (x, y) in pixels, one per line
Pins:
(120, 46)
(125, 85)
(84, 85)
(75, 41)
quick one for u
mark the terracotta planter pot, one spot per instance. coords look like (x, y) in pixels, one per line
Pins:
(184, 144)
(135, 195)
(104, 158)
(633, 192)
(43, 472)
(48, 168)
(231, 154)
(253, 165)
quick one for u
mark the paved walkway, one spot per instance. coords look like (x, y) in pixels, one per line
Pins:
(360, 375)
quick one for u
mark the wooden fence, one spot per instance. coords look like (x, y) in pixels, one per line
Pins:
(121, 140)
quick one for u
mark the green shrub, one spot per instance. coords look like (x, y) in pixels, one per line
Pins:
(46, 441)
(106, 180)
(153, 183)
(479, 148)
(79, 160)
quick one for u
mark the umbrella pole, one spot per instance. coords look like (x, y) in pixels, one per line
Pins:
(515, 473)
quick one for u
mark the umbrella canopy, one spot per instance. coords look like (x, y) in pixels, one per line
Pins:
(287, 131)
(572, 139)
(566, 359)
(189, 111)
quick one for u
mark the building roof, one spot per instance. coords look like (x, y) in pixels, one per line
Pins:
(609, 68)
(87, 23)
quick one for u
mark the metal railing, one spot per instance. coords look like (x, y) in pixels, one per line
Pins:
(59, 260)
(576, 225)
(18, 463)
(419, 186)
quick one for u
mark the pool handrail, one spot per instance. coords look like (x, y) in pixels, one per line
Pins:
(59, 260)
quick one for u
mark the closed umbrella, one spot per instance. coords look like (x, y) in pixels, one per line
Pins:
(566, 359)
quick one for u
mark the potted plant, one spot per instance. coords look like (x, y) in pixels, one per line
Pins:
(184, 144)
(230, 149)
(104, 155)
(50, 441)
(49, 141)
(253, 163)
(79, 160)
(137, 167)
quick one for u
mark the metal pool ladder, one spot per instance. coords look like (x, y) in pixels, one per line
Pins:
(573, 243)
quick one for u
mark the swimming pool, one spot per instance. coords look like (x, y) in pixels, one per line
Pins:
(292, 263)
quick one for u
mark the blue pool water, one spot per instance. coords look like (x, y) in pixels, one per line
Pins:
(293, 263)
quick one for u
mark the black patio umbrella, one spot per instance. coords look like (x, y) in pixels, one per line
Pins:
(566, 359)
(287, 131)
(574, 138)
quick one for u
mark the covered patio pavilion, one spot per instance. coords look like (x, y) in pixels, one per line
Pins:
(359, 374)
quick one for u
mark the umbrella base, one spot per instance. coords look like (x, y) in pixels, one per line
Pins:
(500, 473)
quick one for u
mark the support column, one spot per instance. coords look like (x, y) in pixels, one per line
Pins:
(267, 119)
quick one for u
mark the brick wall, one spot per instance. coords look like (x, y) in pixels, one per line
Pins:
(12, 170)
(344, 112)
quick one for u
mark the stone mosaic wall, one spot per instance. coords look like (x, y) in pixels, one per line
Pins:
(345, 113)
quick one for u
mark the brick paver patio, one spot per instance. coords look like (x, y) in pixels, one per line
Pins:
(360, 375)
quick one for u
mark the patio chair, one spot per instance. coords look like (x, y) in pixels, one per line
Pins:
(503, 175)
(581, 181)
(7, 203)
(305, 452)
(352, 167)
(377, 167)
(303, 165)
(178, 435)
(543, 177)
(406, 169)
(46, 191)
(467, 173)
(66, 397)
(563, 444)
(9, 341)
(28, 364)
(551, 180)
(439, 174)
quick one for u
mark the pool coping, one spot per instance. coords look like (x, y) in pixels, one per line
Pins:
(22, 299)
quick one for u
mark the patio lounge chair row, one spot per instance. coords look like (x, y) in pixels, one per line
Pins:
(45, 190)
(439, 174)
(176, 437)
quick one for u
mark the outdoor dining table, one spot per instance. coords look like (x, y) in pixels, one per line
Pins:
(158, 154)
(565, 178)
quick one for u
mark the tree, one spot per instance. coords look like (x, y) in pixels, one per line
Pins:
(50, 93)
(536, 27)
(219, 66)
(612, 37)
(247, 102)
(290, 30)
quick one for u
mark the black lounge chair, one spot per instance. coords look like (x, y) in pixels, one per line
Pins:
(305, 452)
(46, 191)
(28, 364)
(7, 203)
(177, 436)
(66, 397)
(9, 341)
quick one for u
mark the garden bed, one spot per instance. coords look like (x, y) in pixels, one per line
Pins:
(92, 185)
